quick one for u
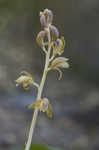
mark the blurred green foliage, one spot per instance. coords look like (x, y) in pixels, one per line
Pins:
(15, 6)
(10, 8)
(40, 147)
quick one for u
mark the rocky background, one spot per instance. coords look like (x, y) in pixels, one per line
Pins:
(75, 99)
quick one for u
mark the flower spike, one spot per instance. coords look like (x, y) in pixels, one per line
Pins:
(53, 45)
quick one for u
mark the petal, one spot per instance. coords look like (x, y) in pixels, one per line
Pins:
(25, 74)
(44, 104)
(49, 111)
(63, 65)
(63, 42)
(58, 61)
(21, 79)
(60, 73)
(36, 104)
(61, 59)
(25, 85)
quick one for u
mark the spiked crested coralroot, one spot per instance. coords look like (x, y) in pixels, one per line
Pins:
(52, 45)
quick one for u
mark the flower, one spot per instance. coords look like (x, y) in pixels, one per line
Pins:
(25, 79)
(58, 47)
(44, 106)
(58, 63)
(40, 38)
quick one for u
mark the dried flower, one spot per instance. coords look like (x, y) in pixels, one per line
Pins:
(44, 106)
(25, 80)
(58, 47)
(58, 63)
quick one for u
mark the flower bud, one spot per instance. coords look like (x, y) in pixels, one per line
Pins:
(49, 16)
(43, 21)
(46, 18)
(40, 38)
(54, 32)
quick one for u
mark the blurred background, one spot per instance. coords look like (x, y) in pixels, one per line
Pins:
(75, 98)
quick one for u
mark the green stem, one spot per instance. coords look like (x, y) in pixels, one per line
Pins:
(40, 89)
